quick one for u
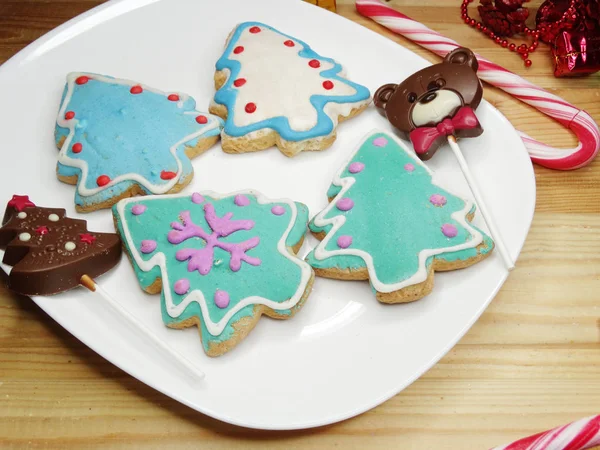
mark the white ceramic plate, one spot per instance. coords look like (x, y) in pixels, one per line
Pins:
(344, 353)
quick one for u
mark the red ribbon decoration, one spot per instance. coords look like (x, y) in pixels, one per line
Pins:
(423, 137)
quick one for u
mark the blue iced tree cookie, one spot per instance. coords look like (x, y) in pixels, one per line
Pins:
(119, 138)
(389, 222)
(219, 262)
(273, 89)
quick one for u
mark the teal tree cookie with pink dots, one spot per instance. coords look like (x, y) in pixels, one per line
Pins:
(273, 89)
(219, 262)
(388, 221)
(119, 138)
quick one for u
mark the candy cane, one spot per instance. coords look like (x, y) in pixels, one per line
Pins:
(584, 433)
(575, 119)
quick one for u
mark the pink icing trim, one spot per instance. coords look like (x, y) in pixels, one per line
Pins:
(278, 210)
(197, 198)
(241, 200)
(449, 230)
(176, 226)
(437, 200)
(409, 167)
(356, 167)
(202, 259)
(221, 299)
(344, 241)
(136, 210)
(380, 142)
(182, 286)
(148, 246)
(345, 204)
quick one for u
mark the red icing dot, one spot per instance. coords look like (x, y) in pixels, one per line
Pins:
(328, 84)
(201, 119)
(87, 238)
(42, 230)
(289, 43)
(69, 115)
(77, 147)
(167, 175)
(102, 180)
(136, 90)
(239, 82)
(254, 30)
(314, 63)
(82, 79)
(238, 49)
(173, 97)
(250, 107)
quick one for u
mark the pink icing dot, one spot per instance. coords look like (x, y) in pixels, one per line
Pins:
(197, 198)
(148, 246)
(409, 167)
(241, 200)
(221, 299)
(356, 167)
(344, 241)
(345, 204)
(437, 200)
(138, 209)
(449, 230)
(380, 142)
(278, 210)
(182, 286)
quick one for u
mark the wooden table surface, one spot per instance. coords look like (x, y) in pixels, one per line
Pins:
(531, 362)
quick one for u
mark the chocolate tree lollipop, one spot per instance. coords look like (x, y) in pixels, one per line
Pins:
(52, 253)
(436, 105)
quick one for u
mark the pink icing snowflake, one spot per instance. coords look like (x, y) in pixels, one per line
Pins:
(202, 259)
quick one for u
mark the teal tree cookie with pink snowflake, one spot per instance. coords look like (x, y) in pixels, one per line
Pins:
(119, 138)
(274, 89)
(390, 222)
(220, 262)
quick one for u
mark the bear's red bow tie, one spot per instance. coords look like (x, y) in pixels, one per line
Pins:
(423, 137)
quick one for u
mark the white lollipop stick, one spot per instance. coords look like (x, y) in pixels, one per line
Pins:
(510, 265)
(182, 362)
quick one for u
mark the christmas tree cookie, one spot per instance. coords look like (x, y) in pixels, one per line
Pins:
(50, 252)
(273, 89)
(118, 138)
(388, 221)
(219, 261)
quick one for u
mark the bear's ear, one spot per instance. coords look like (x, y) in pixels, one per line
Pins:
(383, 94)
(462, 56)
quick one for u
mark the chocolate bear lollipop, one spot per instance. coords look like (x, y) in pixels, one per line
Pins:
(50, 252)
(436, 105)
(435, 102)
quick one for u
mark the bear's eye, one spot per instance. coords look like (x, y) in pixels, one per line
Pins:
(436, 84)
(412, 97)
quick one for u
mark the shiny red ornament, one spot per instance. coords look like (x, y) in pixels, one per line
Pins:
(555, 16)
(504, 17)
(577, 53)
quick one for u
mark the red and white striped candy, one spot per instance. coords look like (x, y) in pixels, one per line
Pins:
(568, 115)
(584, 433)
